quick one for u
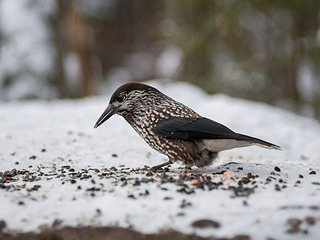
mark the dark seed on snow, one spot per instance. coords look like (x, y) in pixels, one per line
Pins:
(305, 232)
(167, 198)
(300, 176)
(21, 203)
(314, 207)
(124, 184)
(277, 169)
(205, 223)
(136, 183)
(57, 223)
(149, 174)
(146, 193)
(93, 189)
(131, 196)
(310, 220)
(185, 204)
(73, 181)
(35, 187)
(16, 163)
(312, 173)
(98, 211)
(294, 225)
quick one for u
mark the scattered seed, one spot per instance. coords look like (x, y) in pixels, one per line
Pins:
(294, 225)
(131, 196)
(277, 169)
(194, 181)
(205, 223)
(57, 223)
(185, 204)
(310, 220)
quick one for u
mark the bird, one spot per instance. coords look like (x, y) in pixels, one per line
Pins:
(174, 129)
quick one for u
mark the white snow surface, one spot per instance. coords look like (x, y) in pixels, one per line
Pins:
(44, 136)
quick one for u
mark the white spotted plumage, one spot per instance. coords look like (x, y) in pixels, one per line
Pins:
(143, 107)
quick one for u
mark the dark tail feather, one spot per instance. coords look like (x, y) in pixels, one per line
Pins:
(256, 141)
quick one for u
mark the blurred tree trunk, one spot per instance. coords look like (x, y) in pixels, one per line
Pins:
(80, 43)
(79, 39)
(60, 45)
(71, 36)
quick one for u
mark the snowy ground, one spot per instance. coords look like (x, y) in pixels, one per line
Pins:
(68, 173)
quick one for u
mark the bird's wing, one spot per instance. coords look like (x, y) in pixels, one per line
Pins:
(191, 128)
(202, 128)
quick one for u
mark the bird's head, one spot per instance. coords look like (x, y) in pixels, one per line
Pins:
(127, 99)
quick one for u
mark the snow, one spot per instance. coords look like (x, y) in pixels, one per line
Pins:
(47, 135)
(25, 48)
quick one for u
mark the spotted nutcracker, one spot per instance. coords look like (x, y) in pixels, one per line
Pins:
(172, 128)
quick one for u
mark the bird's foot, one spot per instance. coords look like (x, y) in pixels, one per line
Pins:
(156, 167)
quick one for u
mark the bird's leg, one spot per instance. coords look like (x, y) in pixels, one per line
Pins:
(161, 165)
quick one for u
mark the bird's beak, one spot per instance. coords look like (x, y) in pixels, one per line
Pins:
(106, 115)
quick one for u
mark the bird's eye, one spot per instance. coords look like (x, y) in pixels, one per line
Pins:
(120, 98)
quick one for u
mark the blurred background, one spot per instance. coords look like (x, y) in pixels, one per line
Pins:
(259, 50)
